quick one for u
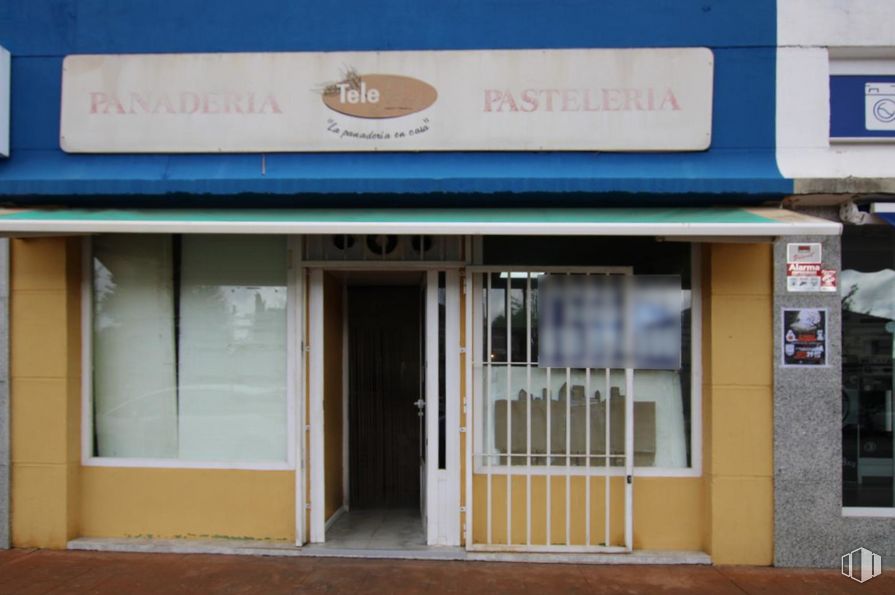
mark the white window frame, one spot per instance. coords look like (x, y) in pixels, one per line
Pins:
(868, 512)
(695, 468)
(293, 379)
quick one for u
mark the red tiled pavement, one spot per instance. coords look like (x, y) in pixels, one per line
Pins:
(45, 571)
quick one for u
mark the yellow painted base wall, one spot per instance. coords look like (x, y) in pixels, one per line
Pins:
(188, 503)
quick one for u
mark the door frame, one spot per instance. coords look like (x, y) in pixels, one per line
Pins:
(296, 319)
(442, 485)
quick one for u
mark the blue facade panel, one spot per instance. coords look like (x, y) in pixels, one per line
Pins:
(741, 160)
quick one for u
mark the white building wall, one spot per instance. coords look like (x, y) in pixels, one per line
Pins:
(812, 35)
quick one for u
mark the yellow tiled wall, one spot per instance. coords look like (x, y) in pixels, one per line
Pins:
(738, 391)
(54, 498)
(45, 373)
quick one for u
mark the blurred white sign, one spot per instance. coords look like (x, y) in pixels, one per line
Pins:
(514, 100)
(596, 321)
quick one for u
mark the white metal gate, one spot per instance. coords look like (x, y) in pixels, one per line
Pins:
(511, 390)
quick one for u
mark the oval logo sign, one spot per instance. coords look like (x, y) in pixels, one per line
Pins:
(379, 96)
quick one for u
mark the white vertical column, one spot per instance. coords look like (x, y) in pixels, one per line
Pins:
(696, 358)
(568, 456)
(628, 328)
(587, 476)
(547, 477)
(629, 459)
(318, 505)
(607, 461)
(588, 289)
(473, 350)
(298, 400)
(450, 525)
(528, 409)
(486, 419)
(433, 504)
(87, 429)
(509, 418)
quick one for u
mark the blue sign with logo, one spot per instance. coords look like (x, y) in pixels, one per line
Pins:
(862, 106)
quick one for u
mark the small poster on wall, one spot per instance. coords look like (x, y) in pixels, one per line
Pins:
(803, 269)
(804, 337)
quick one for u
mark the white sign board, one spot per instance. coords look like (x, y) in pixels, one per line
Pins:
(804, 253)
(506, 100)
(879, 106)
(5, 91)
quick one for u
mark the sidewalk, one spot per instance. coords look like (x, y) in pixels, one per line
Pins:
(45, 571)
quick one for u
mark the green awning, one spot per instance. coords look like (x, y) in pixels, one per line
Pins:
(670, 222)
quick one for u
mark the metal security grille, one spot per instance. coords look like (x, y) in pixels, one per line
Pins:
(553, 451)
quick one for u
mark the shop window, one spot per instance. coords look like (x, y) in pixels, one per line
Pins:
(573, 418)
(868, 349)
(189, 348)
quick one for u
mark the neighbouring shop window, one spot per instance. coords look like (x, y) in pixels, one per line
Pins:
(573, 417)
(189, 347)
(868, 347)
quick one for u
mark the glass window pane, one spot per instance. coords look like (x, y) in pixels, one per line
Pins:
(232, 348)
(189, 347)
(868, 354)
(518, 334)
(533, 299)
(135, 400)
(497, 317)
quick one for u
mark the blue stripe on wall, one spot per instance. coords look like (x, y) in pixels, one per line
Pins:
(58, 27)
(743, 36)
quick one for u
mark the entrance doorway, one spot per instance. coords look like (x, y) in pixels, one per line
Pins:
(384, 408)
(384, 389)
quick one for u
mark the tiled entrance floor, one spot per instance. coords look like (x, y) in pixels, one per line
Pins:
(377, 530)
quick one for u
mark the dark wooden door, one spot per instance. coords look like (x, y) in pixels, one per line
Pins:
(383, 384)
